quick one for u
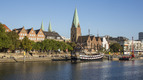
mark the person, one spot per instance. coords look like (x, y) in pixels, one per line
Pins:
(133, 55)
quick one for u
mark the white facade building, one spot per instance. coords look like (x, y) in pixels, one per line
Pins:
(136, 46)
(105, 43)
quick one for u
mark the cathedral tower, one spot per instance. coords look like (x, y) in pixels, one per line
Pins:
(42, 26)
(75, 29)
(49, 28)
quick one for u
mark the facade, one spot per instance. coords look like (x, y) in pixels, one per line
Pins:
(75, 29)
(52, 35)
(105, 43)
(39, 35)
(129, 46)
(140, 36)
(31, 34)
(34, 35)
(89, 43)
(21, 32)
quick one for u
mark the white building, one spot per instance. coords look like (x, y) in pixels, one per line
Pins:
(129, 46)
(105, 43)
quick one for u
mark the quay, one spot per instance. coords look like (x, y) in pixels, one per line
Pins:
(13, 57)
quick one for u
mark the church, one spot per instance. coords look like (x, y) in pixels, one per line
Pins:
(87, 43)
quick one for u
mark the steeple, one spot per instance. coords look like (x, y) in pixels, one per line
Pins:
(75, 18)
(49, 28)
(75, 29)
(42, 27)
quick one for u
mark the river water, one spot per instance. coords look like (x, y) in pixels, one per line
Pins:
(101, 70)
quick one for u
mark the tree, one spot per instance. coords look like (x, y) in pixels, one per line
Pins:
(14, 39)
(116, 47)
(36, 46)
(26, 44)
(5, 41)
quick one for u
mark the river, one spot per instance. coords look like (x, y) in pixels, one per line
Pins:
(101, 70)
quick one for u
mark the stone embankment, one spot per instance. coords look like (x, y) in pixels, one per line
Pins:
(32, 57)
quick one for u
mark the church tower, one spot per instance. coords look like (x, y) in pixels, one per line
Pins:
(42, 26)
(75, 29)
(49, 28)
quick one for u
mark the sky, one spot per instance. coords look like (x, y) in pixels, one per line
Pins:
(105, 17)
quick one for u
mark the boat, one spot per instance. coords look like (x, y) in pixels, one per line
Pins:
(91, 57)
(125, 58)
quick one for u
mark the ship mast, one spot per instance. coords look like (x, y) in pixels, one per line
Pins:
(132, 45)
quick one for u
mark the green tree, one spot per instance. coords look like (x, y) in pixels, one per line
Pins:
(14, 39)
(36, 46)
(26, 44)
(116, 47)
(5, 41)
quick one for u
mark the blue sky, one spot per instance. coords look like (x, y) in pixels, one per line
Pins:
(107, 17)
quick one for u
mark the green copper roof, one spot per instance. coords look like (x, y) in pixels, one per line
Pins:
(49, 28)
(75, 18)
(42, 26)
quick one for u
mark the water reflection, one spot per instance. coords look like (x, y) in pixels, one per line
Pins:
(106, 70)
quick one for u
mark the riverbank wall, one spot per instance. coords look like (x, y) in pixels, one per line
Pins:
(31, 57)
(35, 57)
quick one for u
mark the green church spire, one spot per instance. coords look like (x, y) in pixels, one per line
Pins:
(42, 26)
(49, 28)
(75, 18)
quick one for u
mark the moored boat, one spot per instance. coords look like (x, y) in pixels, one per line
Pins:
(91, 57)
(125, 58)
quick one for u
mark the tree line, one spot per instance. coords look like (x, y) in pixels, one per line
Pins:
(10, 41)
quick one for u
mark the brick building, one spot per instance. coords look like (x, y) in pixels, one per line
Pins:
(31, 34)
(34, 35)
(21, 32)
(87, 43)
(39, 35)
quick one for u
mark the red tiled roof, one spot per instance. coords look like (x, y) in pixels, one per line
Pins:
(6, 27)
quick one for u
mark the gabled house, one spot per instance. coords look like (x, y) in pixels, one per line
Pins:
(31, 34)
(93, 43)
(99, 43)
(39, 35)
(21, 32)
(89, 43)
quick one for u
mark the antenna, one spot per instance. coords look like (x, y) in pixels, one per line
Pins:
(97, 33)
(132, 45)
(89, 32)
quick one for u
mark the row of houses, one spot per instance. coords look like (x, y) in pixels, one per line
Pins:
(36, 35)
(88, 43)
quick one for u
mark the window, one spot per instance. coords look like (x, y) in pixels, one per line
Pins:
(58, 37)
